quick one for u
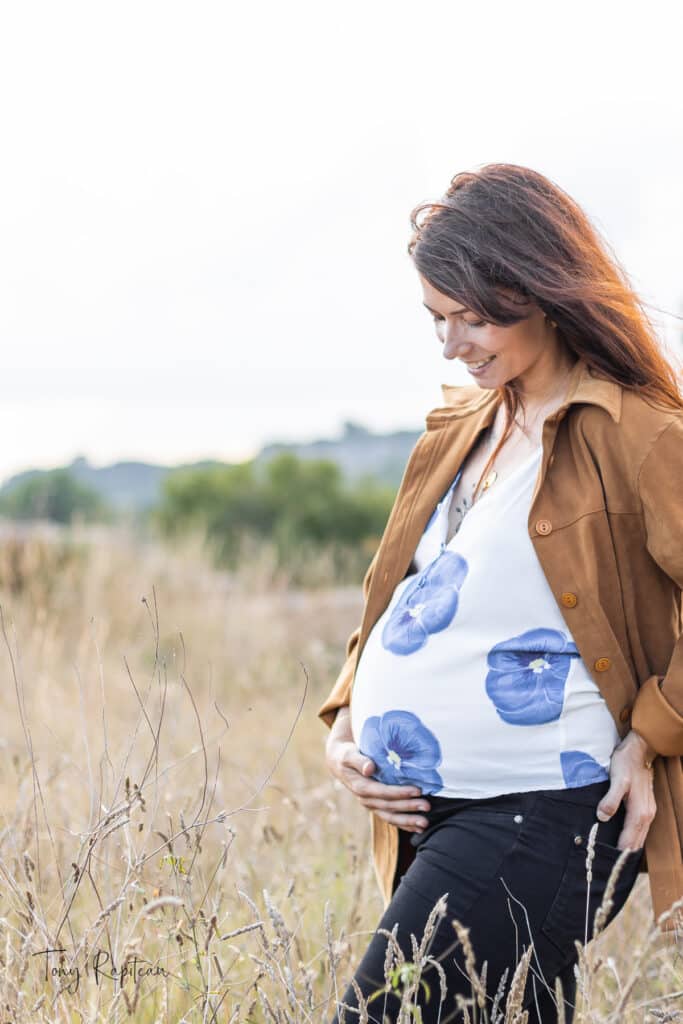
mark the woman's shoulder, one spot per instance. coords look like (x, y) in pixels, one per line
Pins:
(643, 435)
(643, 420)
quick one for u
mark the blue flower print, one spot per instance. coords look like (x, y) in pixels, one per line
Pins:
(404, 750)
(527, 675)
(427, 605)
(580, 769)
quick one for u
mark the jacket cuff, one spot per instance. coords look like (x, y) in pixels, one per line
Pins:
(340, 695)
(657, 720)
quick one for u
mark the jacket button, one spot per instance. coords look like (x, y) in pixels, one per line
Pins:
(602, 664)
(625, 713)
(569, 600)
(543, 526)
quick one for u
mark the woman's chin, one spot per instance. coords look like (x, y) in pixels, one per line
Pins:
(487, 385)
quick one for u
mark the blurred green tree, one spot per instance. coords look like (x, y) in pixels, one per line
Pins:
(55, 495)
(296, 503)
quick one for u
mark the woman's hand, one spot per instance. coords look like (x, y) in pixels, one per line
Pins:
(632, 780)
(399, 805)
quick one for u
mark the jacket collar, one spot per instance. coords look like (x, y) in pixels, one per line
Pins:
(584, 386)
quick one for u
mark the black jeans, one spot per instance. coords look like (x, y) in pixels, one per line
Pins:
(514, 869)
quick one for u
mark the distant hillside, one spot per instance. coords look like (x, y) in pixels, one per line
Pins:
(358, 452)
(135, 486)
(123, 485)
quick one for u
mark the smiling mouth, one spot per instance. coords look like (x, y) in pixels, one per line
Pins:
(482, 362)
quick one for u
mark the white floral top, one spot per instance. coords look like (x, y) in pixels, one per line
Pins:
(470, 684)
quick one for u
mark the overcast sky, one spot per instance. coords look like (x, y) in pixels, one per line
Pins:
(205, 206)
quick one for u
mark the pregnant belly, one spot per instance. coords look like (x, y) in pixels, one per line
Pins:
(475, 728)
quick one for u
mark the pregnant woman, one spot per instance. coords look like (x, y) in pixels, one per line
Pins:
(515, 687)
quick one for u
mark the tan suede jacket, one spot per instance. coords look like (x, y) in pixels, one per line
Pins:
(606, 521)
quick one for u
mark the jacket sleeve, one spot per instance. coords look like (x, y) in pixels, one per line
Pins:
(657, 712)
(339, 695)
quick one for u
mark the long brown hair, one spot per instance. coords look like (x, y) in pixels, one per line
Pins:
(508, 226)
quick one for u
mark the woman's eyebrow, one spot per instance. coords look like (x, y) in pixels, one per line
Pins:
(463, 309)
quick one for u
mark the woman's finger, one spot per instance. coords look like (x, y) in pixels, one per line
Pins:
(640, 810)
(379, 795)
(362, 768)
(408, 822)
(352, 758)
(398, 805)
(609, 804)
(395, 803)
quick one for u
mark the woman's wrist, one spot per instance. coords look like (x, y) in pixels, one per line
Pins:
(341, 726)
(649, 754)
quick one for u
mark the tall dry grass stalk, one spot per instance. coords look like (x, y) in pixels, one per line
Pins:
(167, 826)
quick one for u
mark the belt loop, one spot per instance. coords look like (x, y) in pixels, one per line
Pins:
(529, 800)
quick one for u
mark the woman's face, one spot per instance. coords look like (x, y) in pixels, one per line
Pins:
(493, 355)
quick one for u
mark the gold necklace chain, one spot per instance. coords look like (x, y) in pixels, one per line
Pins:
(492, 441)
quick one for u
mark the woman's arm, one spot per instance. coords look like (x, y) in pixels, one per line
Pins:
(657, 714)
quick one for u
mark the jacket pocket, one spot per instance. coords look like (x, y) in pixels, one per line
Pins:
(566, 918)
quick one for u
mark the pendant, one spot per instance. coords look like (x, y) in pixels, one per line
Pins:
(490, 479)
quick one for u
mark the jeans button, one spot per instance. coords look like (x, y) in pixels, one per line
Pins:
(578, 840)
(518, 819)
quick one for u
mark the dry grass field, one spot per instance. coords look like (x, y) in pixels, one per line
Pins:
(168, 828)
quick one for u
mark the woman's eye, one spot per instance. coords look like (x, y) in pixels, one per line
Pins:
(469, 323)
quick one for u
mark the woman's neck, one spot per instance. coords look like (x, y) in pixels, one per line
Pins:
(541, 390)
(535, 406)
(544, 385)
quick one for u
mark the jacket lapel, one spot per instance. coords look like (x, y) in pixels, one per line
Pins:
(434, 462)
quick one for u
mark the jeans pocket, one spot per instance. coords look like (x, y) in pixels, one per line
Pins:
(567, 919)
(462, 854)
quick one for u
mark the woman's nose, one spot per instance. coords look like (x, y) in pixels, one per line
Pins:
(453, 343)
(454, 348)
